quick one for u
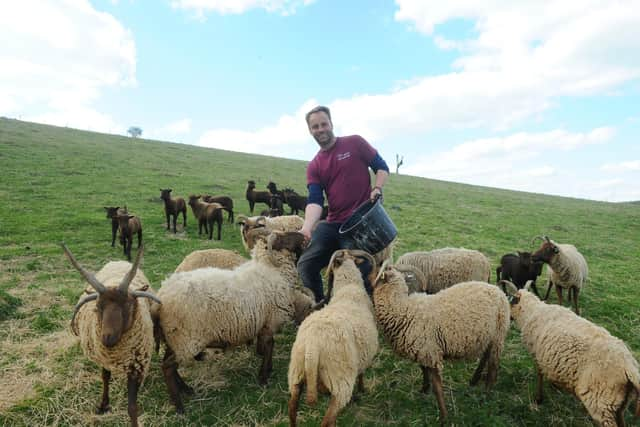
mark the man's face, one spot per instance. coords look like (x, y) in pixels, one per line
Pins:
(321, 129)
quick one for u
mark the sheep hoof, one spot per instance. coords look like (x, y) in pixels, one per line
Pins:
(103, 409)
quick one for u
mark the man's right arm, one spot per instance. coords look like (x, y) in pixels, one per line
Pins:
(312, 214)
(313, 211)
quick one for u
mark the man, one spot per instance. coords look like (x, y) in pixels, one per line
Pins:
(341, 170)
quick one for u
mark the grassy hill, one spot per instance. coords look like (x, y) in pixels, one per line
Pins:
(55, 182)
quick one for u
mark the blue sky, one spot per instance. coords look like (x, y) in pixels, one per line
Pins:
(537, 95)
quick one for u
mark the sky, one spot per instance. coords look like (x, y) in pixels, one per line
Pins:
(530, 95)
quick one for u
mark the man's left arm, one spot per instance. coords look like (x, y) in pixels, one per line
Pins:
(380, 168)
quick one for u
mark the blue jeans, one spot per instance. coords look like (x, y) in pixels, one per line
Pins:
(325, 240)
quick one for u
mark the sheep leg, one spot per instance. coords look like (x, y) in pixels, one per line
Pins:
(293, 404)
(104, 403)
(184, 218)
(331, 415)
(550, 285)
(483, 361)
(260, 345)
(436, 380)
(534, 288)
(575, 300)
(170, 372)
(139, 238)
(182, 385)
(133, 384)
(559, 292)
(267, 358)
(168, 220)
(114, 231)
(426, 382)
(219, 226)
(175, 220)
(360, 383)
(539, 386)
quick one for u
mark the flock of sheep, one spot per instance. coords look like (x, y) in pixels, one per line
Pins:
(430, 307)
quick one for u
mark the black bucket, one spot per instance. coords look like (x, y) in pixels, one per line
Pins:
(369, 228)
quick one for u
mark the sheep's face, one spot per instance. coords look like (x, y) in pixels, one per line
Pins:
(112, 212)
(193, 200)
(165, 194)
(251, 185)
(115, 315)
(547, 251)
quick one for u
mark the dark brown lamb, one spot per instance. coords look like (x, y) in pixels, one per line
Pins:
(173, 207)
(225, 201)
(254, 196)
(112, 213)
(206, 214)
(129, 225)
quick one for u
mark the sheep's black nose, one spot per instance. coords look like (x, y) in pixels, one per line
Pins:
(109, 340)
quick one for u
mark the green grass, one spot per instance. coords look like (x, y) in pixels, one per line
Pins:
(55, 182)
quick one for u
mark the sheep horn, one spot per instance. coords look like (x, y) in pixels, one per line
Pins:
(547, 239)
(89, 277)
(370, 258)
(383, 267)
(507, 287)
(126, 281)
(149, 295)
(90, 297)
(527, 286)
(536, 238)
(242, 219)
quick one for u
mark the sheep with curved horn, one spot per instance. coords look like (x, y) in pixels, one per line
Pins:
(114, 326)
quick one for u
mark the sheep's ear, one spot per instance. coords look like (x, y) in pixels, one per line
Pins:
(527, 286)
(555, 249)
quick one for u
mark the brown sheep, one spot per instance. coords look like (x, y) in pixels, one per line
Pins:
(129, 225)
(225, 201)
(112, 214)
(206, 214)
(254, 196)
(173, 207)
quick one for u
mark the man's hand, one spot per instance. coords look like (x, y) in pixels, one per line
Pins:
(375, 194)
(307, 234)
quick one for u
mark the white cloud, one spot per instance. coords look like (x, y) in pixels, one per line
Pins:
(522, 161)
(235, 7)
(288, 138)
(55, 63)
(628, 166)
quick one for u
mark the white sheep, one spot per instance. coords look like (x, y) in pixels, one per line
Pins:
(335, 345)
(214, 308)
(218, 258)
(568, 268)
(445, 267)
(115, 327)
(279, 223)
(576, 355)
(466, 321)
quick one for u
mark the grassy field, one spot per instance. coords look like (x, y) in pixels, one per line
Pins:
(55, 182)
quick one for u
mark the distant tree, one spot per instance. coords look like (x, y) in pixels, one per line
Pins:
(399, 161)
(134, 131)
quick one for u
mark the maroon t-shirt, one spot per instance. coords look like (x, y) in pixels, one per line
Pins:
(343, 174)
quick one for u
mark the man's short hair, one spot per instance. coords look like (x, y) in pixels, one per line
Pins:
(318, 109)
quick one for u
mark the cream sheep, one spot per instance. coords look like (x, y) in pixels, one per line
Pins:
(218, 258)
(447, 266)
(114, 327)
(466, 321)
(218, 308)
(335, 345)
(568, 268)
(279, 223)
(578, 356)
